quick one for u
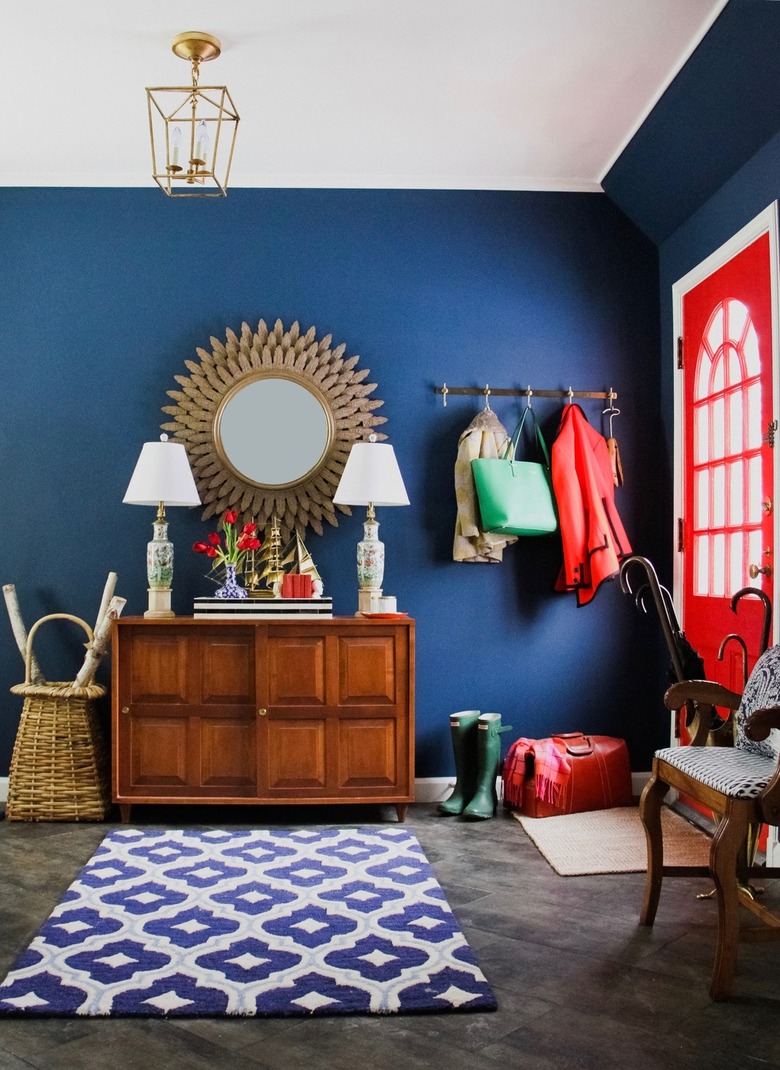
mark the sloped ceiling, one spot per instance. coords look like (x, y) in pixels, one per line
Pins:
(720, 109)
(495, 94)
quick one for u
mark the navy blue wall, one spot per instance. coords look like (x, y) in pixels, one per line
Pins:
(104, 295)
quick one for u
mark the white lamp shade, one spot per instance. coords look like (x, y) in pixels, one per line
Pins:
(162, 474)
(371, 477)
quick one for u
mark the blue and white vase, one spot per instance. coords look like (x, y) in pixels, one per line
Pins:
(231, 588)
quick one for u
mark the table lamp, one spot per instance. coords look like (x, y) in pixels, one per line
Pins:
(371, 477)
(162, 476)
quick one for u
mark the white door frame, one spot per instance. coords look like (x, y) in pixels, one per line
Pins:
(766, 222)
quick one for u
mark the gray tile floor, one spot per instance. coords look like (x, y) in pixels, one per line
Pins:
(579, 983)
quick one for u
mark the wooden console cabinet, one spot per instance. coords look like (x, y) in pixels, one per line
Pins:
(254, 711)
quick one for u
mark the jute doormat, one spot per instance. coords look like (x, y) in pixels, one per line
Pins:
(612, 841)
(275, 922)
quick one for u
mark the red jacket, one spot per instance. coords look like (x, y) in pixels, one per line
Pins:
(594, 540)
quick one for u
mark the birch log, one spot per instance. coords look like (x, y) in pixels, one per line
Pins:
(108, 594)
(99, 644)
(20, 632)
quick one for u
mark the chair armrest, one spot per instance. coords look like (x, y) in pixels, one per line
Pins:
(706, 692)
(761, 722)
(700, 697)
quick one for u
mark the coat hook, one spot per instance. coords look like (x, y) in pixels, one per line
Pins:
(569, 395)
(444, 392)
(528, 395)
(487, 398)
(611, 411)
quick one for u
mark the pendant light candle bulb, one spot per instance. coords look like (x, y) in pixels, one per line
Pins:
(175, 145)
(202, 143)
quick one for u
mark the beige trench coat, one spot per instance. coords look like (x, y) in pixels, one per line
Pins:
(485, 436)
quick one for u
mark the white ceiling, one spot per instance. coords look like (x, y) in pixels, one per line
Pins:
(467, 94)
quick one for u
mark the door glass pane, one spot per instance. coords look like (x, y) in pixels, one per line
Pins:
(754, 491)
(735, 366)
(736, 499)
(718, 566)
(716, 378)
(702, 387)
(701, 438)
(735, 422)
(714, 332)
(701, 517)
(737, 318)
(701, 577)
(736, 564)
(717, 428)
(750, 351)
(718, 496)
(754, 416)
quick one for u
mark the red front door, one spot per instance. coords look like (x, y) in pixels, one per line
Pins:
(726, 491)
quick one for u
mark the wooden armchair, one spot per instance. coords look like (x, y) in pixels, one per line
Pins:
(740, 784)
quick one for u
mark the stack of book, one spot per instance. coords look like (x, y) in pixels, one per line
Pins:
(267, 608)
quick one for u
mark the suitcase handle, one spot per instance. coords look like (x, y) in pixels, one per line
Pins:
(576, 744)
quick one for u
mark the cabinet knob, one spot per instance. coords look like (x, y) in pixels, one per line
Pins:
(262, 712)
(125, 709)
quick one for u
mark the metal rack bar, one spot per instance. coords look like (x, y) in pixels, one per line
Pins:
(488, 391)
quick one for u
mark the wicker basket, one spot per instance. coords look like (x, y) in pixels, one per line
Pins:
(59, 767)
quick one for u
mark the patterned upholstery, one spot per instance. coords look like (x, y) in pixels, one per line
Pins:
(745, 770)
(728, 770)
(762, 689)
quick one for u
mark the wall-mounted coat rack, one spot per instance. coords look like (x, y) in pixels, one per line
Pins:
(487, 392)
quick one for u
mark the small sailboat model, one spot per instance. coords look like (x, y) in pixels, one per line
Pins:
(268, 566)
(296, 555)
(264, 573)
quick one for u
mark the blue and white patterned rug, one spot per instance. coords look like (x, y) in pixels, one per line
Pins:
(253, 922)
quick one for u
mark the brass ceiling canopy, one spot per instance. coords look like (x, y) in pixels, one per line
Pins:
(196, 46)
(192, 128)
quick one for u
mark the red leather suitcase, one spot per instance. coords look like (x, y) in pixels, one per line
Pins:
(599, 778)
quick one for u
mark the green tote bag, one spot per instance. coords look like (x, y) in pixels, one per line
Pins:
(516, 497)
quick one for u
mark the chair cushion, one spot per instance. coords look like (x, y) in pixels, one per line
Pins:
(736, 773)
(762, 689)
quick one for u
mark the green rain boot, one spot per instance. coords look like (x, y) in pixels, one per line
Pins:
(463, 727)
(485, 800)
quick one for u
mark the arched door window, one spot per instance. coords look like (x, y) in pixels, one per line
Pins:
(727, 477)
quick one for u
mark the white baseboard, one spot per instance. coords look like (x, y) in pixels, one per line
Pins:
(638, 781)
(426, 789)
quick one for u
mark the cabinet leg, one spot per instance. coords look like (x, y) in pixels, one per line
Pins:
(400, 809)
(124, 812)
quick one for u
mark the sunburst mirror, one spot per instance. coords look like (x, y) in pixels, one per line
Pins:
(268, 419)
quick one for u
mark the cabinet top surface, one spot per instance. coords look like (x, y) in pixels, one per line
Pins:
(233, 622)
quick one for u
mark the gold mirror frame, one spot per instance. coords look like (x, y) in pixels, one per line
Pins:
(270, 420)
(324, 371)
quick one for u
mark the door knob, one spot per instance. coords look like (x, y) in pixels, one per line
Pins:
(754, 571)
(262, 712)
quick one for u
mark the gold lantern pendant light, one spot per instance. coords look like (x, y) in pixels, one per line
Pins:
(193, 128)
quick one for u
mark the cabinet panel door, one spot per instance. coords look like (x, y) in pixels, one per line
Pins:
(367, 670)
(296, 753)
(227, 669)
(158, 751)
(228, 753)
(157, 668)
(296, 670)
(367, 753)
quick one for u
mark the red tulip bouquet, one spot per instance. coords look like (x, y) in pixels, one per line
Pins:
(230, 548)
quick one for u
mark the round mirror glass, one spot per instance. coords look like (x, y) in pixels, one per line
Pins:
(273, 431)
